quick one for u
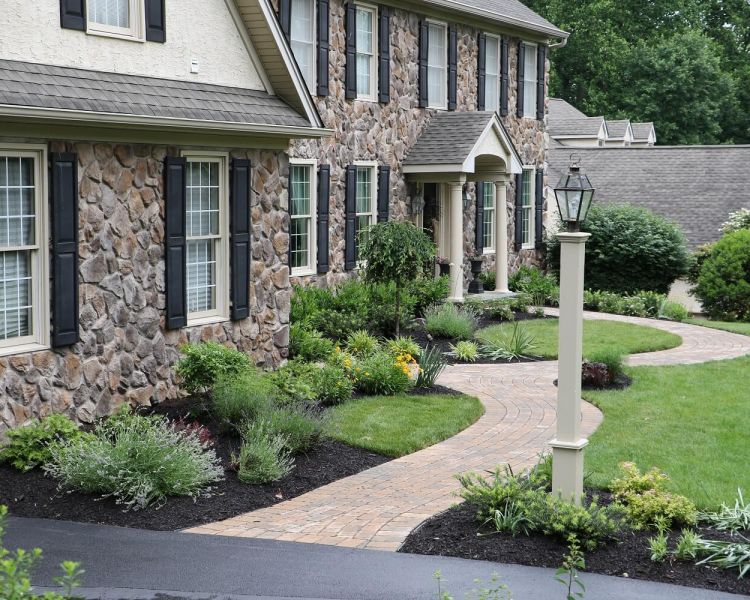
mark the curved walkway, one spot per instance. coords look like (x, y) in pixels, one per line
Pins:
(378, 508)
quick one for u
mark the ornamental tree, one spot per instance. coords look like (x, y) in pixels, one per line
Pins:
(396, 252)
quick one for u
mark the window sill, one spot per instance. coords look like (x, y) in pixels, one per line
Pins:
(488, 251)
(528, 247)
(303, 272)
(207, 321)
(370, 99)
(128, 37)
(23, 349)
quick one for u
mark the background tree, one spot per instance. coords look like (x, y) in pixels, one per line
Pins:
(396, 252)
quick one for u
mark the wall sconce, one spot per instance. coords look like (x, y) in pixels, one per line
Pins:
(467, 198)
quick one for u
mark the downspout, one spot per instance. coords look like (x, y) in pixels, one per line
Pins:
(561, 44)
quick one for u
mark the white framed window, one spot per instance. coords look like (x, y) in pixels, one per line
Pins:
(488, 223)
(302, 38)
(24, 313)
(366, 202)
(116, 18)
(529, 81)
(437, 65)
(303, 208)
(492, 73)
(207, 223)
(528, 194)
(367, 63)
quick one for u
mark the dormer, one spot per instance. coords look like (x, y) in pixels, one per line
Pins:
(619, 133)
(644, 135)
(579, 132)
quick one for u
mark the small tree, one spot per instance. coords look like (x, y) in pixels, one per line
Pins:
(396, 252)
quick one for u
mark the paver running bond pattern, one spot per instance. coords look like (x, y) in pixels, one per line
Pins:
(378, 508)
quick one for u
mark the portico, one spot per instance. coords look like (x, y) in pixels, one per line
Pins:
(461, 148)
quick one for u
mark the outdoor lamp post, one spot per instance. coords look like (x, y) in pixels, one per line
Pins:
(574, 194)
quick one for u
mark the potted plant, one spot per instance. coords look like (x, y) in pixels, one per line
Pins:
(444, 265)
(476, 286)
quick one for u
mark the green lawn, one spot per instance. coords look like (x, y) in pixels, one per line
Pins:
(598, 336)
(399, 425)
(734, 327)
(690, 421)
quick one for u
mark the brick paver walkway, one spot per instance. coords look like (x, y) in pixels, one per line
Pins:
(379, 507)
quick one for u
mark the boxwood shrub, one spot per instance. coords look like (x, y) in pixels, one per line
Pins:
(724, 281)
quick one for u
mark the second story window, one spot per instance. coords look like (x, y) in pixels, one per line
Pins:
(119, 18)
(437, 66)
(366, 55)
(302, 38)
(529, 81)
(492, 73)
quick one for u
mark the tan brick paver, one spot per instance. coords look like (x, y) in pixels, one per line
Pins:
(379, 507)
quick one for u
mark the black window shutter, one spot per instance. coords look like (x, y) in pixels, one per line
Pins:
(504, 76)
(521, 74)
(285, 17)
(541, 68)
(350, 259)
(175, 168)
(424, 45)
(452, 67)
(73, 14)
(384, 55)
(351, 51)
(384, 192)
(156, 21)
(323, 45)
(64, 206)
(539, 209)
(324, 194)
(518, 221)
(239, 229)
(481, 71)
(479, 233)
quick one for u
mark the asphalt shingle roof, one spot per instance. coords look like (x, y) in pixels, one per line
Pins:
(46, 86)
(617, 129)
(562, 110)
(449, 138)
(512, 11)
(588, 126)
(697, 187)
(641, 131)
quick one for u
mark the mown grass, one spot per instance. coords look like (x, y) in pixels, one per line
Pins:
(734, 327)
(692, 422)
(399, 425)
(598, 336)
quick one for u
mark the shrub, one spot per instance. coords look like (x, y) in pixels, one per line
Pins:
(403, 345)
(300, 429)
(381, 308)
(674, 311)
(333, 386)
(737, 221)
(639, 304)
(509, 343)
(336, 325)
(431, 364)
(307, 301)
(700, 254)
(427, 291)
(361, 344)
(536, 283)
(308, 344)
(647, 503)
(450, 321)
(29, 445)
(264, 457)
(488, 280)
(242, 398)
(138, 460)
(204, 363)
(523, 300)
(381, 374)
(500, 309)
(297, 382)
(611, 359)
(724, 281)
(464, 351)
(396, 252)
(630, 249)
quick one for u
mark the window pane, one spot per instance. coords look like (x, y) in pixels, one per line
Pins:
(526, 190)
(364, 190)
(364, 31)
(115, 13)
(436, 48)
(17, 202)
(363, 223)
(15, 294)
(300, 234)
(364, 80)
(529, 78)
(302, 37)
(436, 66)
(201, 275)
(488, 233)
(203, 198)
(300, 190)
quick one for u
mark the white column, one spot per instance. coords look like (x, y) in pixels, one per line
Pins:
(501, 237)
(457, 241)
(567, 448)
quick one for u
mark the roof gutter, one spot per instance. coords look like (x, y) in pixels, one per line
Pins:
(561, 44)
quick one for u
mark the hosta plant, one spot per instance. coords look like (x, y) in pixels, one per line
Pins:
(464, 351)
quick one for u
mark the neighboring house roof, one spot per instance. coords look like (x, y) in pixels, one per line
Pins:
(561, 110)
(31, 86)
(617, 129)
(697, 187)
(642, 131)
(512, 12)
(576, 127)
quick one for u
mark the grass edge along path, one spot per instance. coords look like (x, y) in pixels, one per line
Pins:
(399, 425)
(690, 421)
(732, 326)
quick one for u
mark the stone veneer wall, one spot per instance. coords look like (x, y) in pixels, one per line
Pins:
(125, 354)
(385, 132)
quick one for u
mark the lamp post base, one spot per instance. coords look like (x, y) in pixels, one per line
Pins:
(567, 469)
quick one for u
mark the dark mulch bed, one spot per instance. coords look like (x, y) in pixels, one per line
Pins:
(444, 345)
(454, 533)
(35, 495)
(622, 382)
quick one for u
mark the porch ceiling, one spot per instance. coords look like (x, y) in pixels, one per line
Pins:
(467, 145)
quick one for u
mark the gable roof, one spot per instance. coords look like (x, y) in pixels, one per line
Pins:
(617, 129)
(77, 94)
(562, 110)
(697, 187)
(511, 12)
(577, 127)
(642, 131)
